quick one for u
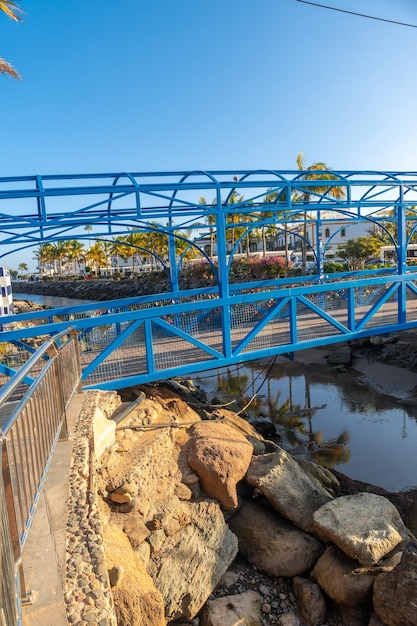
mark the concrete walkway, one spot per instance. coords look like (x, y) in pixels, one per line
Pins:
(44, 557)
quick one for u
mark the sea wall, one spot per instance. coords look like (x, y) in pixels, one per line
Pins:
(92, 289)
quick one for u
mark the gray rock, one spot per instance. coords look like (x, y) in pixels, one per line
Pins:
(243, 609)
(342, 355)
(365, 526)
(395, 593)
(310, 601)
(272, 543)
(288, 487)
(334, 572)
(193, 561)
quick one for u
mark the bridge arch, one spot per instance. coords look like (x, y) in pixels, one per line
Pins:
(185, 330)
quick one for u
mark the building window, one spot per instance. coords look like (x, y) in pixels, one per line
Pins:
(327, 232)
(343, 232)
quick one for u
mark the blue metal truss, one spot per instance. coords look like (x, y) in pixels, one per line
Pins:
(136, 340)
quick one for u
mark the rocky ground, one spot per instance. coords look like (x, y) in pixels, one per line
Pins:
(279, 603)
(398, 350)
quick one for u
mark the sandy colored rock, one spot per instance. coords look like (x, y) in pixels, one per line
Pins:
(137, 601)
(193, 561)
(288, 487)
(242, 609)
(334, 573)
(365, 526)
(220, 455)
(272, 543)
(310, 601)
(395, 593)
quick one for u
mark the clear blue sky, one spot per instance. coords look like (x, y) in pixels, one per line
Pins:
(181, 84)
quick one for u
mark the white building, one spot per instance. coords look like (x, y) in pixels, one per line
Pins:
(333, 231)
(6, 305)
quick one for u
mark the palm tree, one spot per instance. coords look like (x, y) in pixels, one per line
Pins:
(96, 255)
(211, 221)
(316, 171)
(45, 255)
(12, 10)
(237, 231)
(75, 252)
(136, 241)
(88, 228)
(120, 250)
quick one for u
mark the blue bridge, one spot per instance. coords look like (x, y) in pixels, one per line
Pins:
(210, 220)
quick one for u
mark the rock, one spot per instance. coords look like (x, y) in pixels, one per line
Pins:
(355, 615)
(183, 492)
(138, 466)
(137, 601)
(375, 620)
(243, 609)
(310, 601)
(289, 619)
(104, 429)
(288, 487)
(121, 495)
(272, 543)
(342, 355)
(365, 526)
(395, 593)
(116, 574)
(220, 455)
(136, 530)
(193, 560)
(334, 573)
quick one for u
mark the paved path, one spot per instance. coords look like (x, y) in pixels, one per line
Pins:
(44, 561)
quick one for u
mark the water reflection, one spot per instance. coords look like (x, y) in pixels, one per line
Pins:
(326, 418)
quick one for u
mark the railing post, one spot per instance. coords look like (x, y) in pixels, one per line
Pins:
(53, 353)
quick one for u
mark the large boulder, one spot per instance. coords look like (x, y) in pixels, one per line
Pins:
(220, 454)
(191, 562)
(272, 543)
(365, 526)
(395, 593)
(289, 488)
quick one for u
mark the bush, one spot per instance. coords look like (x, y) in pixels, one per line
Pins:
(257, 268)
(332, 267)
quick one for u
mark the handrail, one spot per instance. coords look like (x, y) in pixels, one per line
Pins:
(9, 387)
(27, 440)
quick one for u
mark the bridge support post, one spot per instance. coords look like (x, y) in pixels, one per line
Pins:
(223, 274)
(402, 255)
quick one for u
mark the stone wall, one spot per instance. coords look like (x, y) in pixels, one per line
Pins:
(92, 289)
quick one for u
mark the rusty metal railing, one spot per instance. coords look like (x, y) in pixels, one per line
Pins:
(29, 430)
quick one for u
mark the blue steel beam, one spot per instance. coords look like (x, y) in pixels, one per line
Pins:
(203, 347)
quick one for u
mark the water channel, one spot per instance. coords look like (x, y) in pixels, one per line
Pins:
(329, 418)
(320, 415)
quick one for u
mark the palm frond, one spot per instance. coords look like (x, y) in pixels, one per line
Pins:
(6, 68)
(11, 9)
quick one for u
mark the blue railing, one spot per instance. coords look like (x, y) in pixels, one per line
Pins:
(137, 340)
